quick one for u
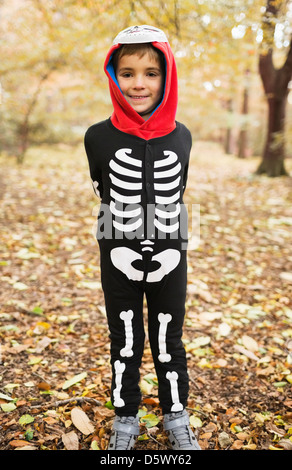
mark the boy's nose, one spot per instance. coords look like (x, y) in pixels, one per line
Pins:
(139, 82)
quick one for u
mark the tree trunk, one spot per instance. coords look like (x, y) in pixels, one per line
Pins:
(274, 151)
(275, 83)
(228, 135)
(242, 140)
(24, 128)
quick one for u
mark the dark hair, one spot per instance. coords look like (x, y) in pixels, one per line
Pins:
(140, 49)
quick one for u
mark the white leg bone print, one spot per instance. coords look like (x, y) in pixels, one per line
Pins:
(173, 377)
(164, 319)
(119, 370)
(127, 316)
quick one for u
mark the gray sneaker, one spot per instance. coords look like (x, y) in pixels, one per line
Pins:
(125, 432)
(180, 435)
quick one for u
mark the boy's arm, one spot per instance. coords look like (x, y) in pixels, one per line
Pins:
(95, 172)
(188, 142)
(185, 177)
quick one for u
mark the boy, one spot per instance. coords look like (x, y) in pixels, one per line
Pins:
(138, 160)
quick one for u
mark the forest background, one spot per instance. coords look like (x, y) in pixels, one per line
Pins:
(53, 85)
(234, 61)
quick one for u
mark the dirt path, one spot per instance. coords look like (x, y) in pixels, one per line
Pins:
(53, 328)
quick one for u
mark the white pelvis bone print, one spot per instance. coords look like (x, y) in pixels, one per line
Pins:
(121, 169)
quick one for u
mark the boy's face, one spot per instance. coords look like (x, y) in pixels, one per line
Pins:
(141, 81)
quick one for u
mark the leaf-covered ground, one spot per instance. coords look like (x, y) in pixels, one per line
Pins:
(54, 359)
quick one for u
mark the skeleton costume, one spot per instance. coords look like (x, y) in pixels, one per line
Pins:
(139, 170)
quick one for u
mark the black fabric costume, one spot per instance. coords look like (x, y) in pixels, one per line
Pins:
(142, 235)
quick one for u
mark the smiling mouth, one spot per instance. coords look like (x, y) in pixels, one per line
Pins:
(138, 97)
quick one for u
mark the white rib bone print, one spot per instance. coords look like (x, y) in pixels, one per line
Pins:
(126, 176)
(120, 178)
(171, 159)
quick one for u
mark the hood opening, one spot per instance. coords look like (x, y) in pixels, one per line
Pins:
(124, 117)
(112, 74)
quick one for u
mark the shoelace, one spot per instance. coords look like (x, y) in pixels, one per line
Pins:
(123, 438)
(181, 433)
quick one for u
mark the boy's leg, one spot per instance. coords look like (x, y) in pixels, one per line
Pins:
(125, 320)
(124, 308)
(166, 311)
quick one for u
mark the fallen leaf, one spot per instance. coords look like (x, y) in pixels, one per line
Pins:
(198, 342)
(285, 443)
(70, 440)
(26, 419)
(77, 378)
(150, 420)
(195, 421)
(249, 343)
(18, 443)
(237, 445)
(286, 277)
(224, 440)
(26, 448)
(151, 401)
(224, 329)
(81, 421)
(5, 397)
(245, 352)
(43, 386)
(7, 407)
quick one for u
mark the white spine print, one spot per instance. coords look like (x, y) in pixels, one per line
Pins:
(173, 378)
(119, 370)
(127, 316)
(164, 319)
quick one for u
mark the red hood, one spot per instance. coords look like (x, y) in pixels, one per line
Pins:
(162, 120)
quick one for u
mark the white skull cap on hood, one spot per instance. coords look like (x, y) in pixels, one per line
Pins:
(140, 34)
